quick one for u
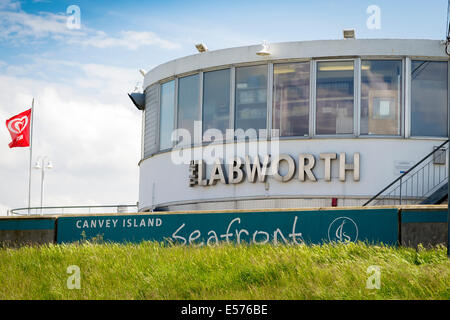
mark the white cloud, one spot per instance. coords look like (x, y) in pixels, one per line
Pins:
(93, 139)
(18, 26)
(132, 40)
(9, 5)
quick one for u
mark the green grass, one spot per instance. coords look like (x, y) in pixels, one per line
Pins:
(153, 271)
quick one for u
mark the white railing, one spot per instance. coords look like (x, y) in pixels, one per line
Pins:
(64, 210)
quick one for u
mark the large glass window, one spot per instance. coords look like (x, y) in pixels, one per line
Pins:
(251, 97)
(334, 97)
(291, 98)
(188, 103)
(167, 115)
(216, 100)
(429, 98)
(380, 97)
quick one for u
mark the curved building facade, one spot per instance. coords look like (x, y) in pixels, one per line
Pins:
(314, 123)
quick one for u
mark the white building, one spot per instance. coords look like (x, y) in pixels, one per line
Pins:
(382, 100)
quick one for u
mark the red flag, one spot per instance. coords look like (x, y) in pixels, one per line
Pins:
(19, 128)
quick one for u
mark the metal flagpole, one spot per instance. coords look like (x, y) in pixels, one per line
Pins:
(31, 156)
(447, 44)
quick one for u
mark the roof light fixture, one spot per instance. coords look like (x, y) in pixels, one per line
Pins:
(265, 49)
(201, 47)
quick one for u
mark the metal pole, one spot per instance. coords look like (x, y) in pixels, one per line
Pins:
(42, 184)
(448, 126)
(448, 129)
(31, 155)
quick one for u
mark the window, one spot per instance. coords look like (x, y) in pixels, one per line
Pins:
(334, 97)
(291, 98)
(167, 115)
(216, 100)
(380, 97)
(429, 98)
(251, 98)
(188, 103)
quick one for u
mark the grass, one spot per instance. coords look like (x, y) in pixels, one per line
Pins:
(154, 271)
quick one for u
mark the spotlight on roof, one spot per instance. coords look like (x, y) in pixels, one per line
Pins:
(265, 49)
(201, 47)
(349, 34)
(142, 71)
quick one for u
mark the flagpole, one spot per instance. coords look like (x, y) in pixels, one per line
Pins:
(31, 156)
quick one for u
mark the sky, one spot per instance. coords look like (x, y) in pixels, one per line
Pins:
(84, 121)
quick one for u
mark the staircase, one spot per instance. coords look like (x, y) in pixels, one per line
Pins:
(424, 183)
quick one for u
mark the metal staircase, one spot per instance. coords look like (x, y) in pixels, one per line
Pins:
(424, 183)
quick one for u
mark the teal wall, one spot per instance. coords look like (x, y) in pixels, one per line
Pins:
(372, 225)
(27, 223)
(423, 216)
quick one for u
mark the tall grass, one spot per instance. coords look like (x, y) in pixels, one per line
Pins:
(154, 271)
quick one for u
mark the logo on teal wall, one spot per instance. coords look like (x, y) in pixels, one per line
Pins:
(343, 229)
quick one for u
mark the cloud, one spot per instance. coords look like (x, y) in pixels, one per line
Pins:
(92, 138)
(105, 82)
(18, 26)
(9, 5)
(132, 40)
(22, 26)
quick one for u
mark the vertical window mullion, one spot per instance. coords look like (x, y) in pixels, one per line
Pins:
(407, 97)
(269, 100)
(232, 99)
(200, 108)
(312, 99)
(158, 117)
(143, 137)
(357, 98)
(175, 105)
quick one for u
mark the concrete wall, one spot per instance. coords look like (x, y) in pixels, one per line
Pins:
(19, 231)
(421, 226)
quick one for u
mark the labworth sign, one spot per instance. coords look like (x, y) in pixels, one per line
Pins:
(255, 171)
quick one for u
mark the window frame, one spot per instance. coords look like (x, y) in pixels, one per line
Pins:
(313, 109)
(310, 97)
(161, 83)
(409, 116)
(402, 104)
(199, 106)
(230, 97)
(269, 80)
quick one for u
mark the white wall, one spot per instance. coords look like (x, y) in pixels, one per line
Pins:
(163, 182)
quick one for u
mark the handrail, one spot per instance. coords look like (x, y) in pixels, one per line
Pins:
(405, 173)
(15, 211)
